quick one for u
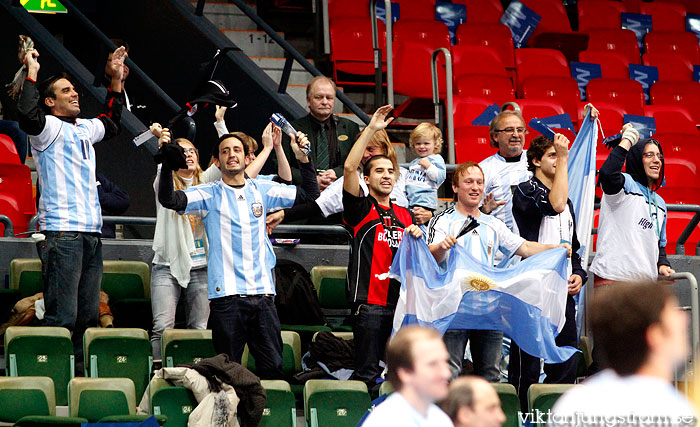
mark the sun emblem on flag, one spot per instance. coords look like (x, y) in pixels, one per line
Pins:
(477, 283)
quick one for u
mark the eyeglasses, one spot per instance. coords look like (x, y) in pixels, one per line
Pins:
(651, 155)
(512, 130)
(190, 151)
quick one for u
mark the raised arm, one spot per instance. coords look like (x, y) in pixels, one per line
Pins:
(253, 169)
(559, 195)
(284, 171)
(308, 191)
(611, 179)
(529, 248)
(379, 121)
(31, 116)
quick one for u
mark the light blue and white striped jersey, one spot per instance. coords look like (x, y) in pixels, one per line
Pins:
(501, 178)
(422, 184)
(241, 257)
(65, 164)
(491, 235)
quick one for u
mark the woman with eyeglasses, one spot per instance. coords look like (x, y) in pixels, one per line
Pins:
(632, 232)
(180, 246)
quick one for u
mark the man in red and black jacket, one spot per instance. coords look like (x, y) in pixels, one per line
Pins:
(377, 226)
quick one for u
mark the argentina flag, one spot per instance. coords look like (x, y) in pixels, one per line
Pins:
(527, 301)
(582, 175)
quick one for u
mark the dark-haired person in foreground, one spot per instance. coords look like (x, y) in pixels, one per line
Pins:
(241, 260)
(69, 209)
(543, 213)
(643, 334)
(377, 227)
(417, 369)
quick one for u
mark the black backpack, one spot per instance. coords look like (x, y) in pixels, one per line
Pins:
(296, 300)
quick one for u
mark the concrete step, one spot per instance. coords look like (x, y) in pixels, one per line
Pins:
(227, 16)
(255, 43)
(273, 67)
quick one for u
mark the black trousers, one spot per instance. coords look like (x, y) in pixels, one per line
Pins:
(524, 369)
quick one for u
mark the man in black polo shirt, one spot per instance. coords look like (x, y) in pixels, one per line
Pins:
(377, 226)
(544, 213)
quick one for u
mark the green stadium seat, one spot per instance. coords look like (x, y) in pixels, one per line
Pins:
(41, 351)
(510, 404)
(96, 398)
(118, 353)
(48, 420)
(31, 402)
(128, 284)
(386, 388)
(335, 403)
(543, 396)
(291, 354)
(330, 285)
(25, 276)
(176, 403)
(280, 406)
(186, 346)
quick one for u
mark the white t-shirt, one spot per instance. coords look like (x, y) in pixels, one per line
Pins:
(632, 226)
(331, 199)
(396, 411)
(609, 395)
(488, 238)
(501, 178)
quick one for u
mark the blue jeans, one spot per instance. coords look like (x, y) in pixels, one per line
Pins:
(239, 319)
(485, 348)
(165, 294)
(71, 264)
(371, 331)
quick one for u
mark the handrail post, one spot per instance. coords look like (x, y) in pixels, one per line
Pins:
(389, 53)
(377, 54)
(436, 98)
(326, 27)
(680, 243)
(694, 314)
(9, 229)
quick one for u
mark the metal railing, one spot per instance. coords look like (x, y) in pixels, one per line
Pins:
(9, 229)
(448, 102)
(388, 22)
(292, 54)
(689, 386)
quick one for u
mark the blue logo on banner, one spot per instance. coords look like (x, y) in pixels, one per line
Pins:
(646, 126)
(646, 75)
(381, 12)
(452, 15)
(522, 22)
(484, 119)
(640, 24)
(584, 72)
(560, 121)
(696, 73)
(692, 24)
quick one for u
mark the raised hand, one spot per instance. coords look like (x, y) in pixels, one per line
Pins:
(490, 203)
(164, 137)
(379, 118)
(116, 64)
(219, 113)
(267, 136)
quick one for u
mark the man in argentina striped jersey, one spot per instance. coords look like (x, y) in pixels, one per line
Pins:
(69, 208)
(241, 259)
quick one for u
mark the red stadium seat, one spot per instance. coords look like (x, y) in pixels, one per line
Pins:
(665, 16)
(672, 66)
(8, 151)
(16, 200)
(553, 17)
(496, 89)
(691, 6)
(597, 14)
(482, 11)
(465, 109)
(613, 65)
(412, 76)
(562, 90)
(351, 46)
(348, 9)
(472, 143)
(495, 36)
(540, 108)
(672, 119)
(468, 59)
(416, 9)
(681, 42)
(611, 117)
(676, 222)
(625, 92)
(685, 94)
(422, 30)
(531, 62)
(621, 41)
